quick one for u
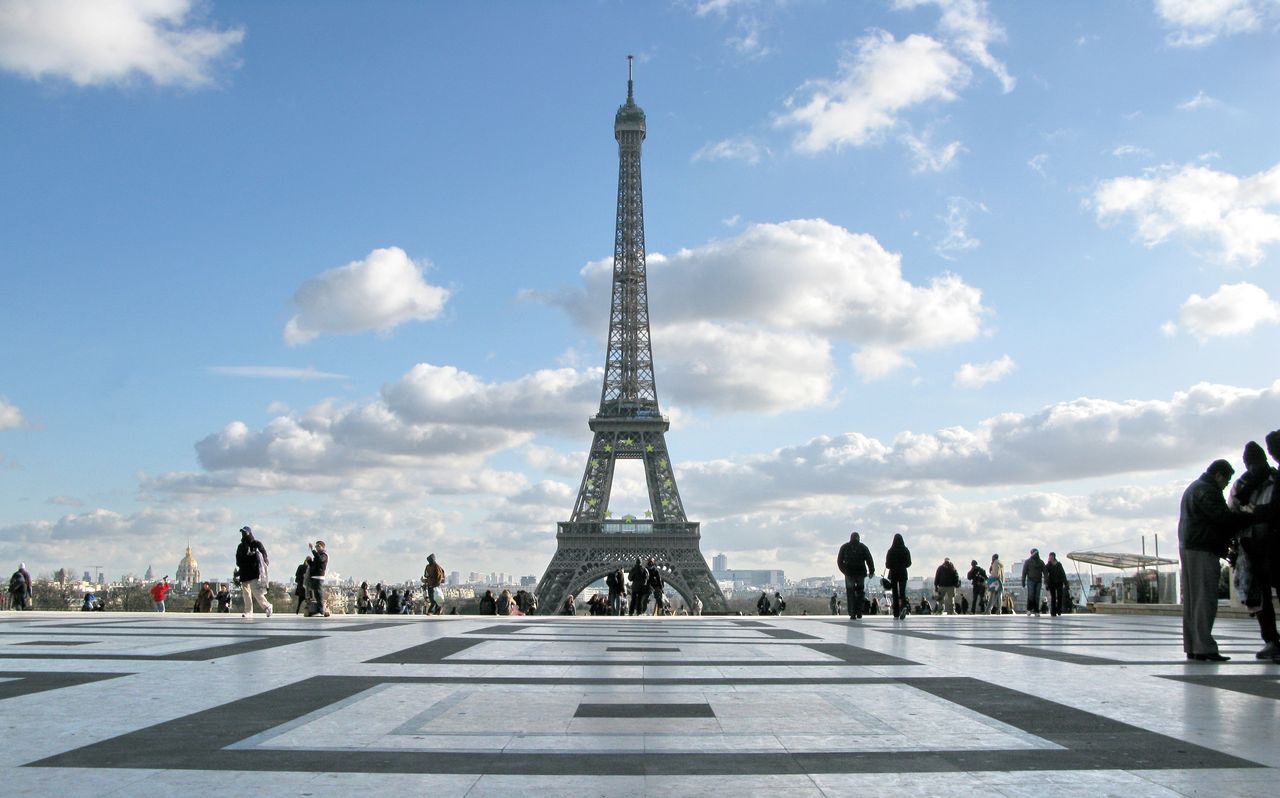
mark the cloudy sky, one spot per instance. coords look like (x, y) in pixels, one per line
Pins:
(992, 275)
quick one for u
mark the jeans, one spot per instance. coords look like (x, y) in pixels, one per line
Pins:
(1033, 597)
(159, 606)
(1056, 598)
(855, 593)
(979, 599)
(433, 607)
(615, 604)
(317, 590)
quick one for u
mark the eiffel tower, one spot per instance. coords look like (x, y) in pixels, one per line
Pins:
(628, 426)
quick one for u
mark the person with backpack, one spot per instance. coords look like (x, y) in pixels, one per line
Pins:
(251, 562)
(20, 588)
(639, 579)
(978, 579)
(432, 579)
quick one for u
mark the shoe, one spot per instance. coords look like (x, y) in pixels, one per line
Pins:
(326, 615)
(1269, 651)
(1215, 657)
(268, 610)
(245, 615)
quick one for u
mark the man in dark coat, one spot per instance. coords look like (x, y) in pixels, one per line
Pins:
(977, 577)
(319, 564)
(1262, 543)
(20, 588)
(1032, 579)
(945, 580)
(617, 584)
(1205, 525)
(1056, 577)
(656, 587)
(251, 561)
(854, 561)
(639, 578)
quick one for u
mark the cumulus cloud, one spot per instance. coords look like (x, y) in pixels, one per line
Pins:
(112, 41)
(740, 148)
(10, 415)
(879, 78)
(1234, 309)
(381, 292)
(976, 375)
(799, 281)
(1240, 216)
(969, 28)
(1195, 23)
(1078, 439)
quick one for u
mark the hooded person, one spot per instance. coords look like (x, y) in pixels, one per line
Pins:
(855, 562)
(1257, 556)
(251, 562)
(897, 560)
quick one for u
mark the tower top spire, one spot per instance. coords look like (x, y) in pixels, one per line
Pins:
(631, 97)
(630, 116)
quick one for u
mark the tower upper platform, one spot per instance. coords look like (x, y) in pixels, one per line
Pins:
(630, 117)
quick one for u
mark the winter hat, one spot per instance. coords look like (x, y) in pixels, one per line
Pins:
(1253, 454)
(244, 530)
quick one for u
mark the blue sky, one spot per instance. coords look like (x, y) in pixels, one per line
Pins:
(992, 275)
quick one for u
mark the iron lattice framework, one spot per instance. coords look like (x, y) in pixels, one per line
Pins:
(629, 425)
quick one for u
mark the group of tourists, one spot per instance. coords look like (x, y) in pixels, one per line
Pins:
(1244, 529)
(629, 593)
(987, 584)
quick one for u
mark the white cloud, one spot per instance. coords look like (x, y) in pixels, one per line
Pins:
(1232, 310)
(976, 375)
(111, 41)
(798, 278)
(967, 25)
(1199, 102)
(1078, 439)
(1037, 162)
(1237, 214)
(381, 292)
(878, 80)
(875, 362)
(956, 220)
(1131, 149)
(734, 149)
(10, 415)
(928, 158)
(1195, 23)
(275, 372)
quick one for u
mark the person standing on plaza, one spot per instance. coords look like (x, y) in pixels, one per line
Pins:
(995, 585)
(656, 587)
(897, 560)
(319, 565)
(432, 582)
(159, 591)
(20, 588)
(638, 576)
(946, 580)
(854, 561)
(204, 599)
(251, 562)
(1205, 526)
(1032, 579)
(697, 606)
(300, 578)
(834, 603)
(1259, 543)
(978, 579)
(1056, 577)
(617, 584)
(223, 597)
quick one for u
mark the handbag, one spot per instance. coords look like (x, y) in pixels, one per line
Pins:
(885, 583)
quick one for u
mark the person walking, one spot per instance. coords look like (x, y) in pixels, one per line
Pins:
(946, 580)
(897, 560)
(1032, 579)
(319, 565)
(995, 585)
(432, 581)
(617, 584)
(1055, 576)
(1259, 554)
(657, 587)
(251, 562)
(300, 578)
(20, 588)
(639, 579)
(978, 580)
(159, 591)
(1205, 525)
(855, 562)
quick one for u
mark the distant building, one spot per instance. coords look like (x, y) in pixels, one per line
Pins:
(751, 578)
(188, 573)
(528, 581)
(719, 563)
(148, 576)
(455, 578)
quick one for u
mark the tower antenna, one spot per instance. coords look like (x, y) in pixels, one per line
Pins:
(630, 93)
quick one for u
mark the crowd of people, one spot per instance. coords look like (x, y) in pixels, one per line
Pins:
(987, 585)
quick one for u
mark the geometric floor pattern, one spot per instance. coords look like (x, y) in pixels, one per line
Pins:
(810, 706)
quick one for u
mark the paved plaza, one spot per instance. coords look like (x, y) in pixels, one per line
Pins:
(174, 704)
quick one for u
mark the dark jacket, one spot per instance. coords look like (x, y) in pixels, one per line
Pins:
(1205, 523)
(639, 577)
(1032, 570)
(319, 563)
(655, 579)
(898, 560)
(247, 558)
(978, 576)
(855, 560)
(300, 576)
(616, 582)
(1055, 574)
(946, 576)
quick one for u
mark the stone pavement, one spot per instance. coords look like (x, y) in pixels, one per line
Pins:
(178, 704)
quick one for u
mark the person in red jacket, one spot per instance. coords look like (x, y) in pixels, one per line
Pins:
(158, 593)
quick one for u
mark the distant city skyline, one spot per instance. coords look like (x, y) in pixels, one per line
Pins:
(991, 275)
